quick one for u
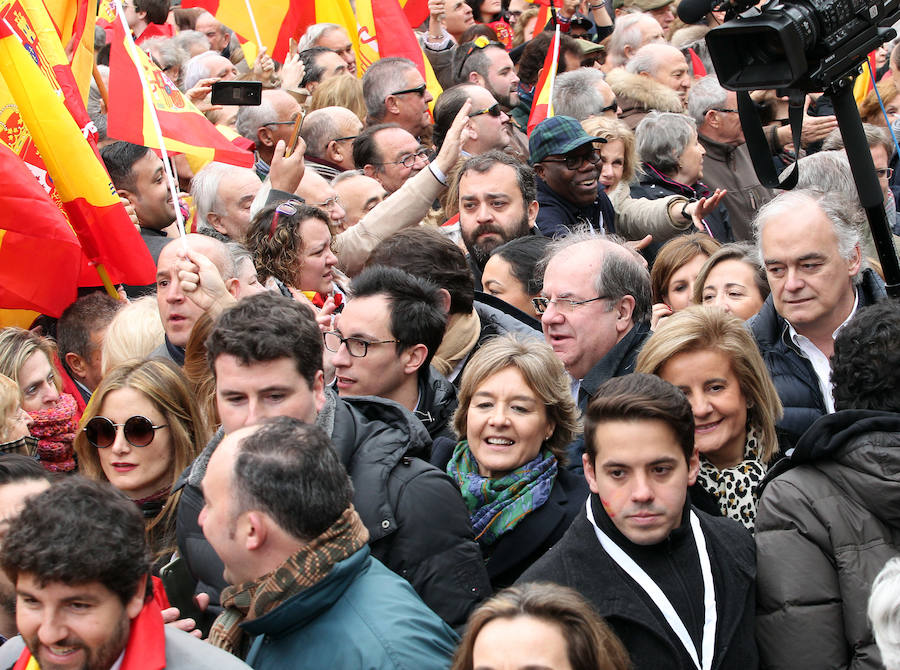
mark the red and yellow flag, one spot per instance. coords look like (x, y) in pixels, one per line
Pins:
(542, 107)
(416, 11)
(184, 128)
(384, 32)
(74, 23)
(865, 81)
(106, 234)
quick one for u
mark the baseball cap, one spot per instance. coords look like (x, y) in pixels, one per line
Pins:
(557, 135)
(647, 5)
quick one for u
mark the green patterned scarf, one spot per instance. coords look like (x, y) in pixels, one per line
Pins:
(497, 505)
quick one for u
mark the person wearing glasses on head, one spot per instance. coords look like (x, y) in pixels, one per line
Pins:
(566, 161)
(141, 431)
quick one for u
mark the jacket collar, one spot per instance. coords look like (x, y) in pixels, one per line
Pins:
(618, 361)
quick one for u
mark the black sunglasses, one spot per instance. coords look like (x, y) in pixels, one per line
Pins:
(418, 90)
(479, 43)
(493, 110)
(139, 431)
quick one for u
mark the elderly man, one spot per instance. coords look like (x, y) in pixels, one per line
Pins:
(809, 244)
(215, 32)
(359, 194)
(329, 133)
(661, 10)
(632, 31)
(390, 154)
(278, 512)
(488, 125)
(582, 93)
(222, 195)
(657, 77)
(208, 65)
(727, 163)
(320, 64)
(569, 190)
(331, 36)
(395, 92)
(272, 120)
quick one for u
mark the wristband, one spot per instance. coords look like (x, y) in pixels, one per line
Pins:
(684, 214)
(438, 173)
(598, 6)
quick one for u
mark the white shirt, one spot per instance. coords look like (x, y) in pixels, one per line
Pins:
(820, 362)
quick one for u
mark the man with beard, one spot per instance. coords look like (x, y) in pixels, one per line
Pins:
(80, 563)
(497, 203)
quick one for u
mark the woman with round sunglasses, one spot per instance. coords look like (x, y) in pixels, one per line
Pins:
(141, 429)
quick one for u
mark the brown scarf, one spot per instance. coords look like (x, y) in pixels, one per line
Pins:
(310, 565)
(458, 341)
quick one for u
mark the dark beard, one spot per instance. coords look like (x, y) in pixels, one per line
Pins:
(481, 252)
(100, 658)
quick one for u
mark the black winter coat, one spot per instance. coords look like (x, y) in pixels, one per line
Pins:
(398, 497)
(437, 403)
(557, 217)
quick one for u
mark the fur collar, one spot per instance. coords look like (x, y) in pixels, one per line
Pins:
(642, 92)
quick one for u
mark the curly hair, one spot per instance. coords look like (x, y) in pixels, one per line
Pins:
(278, 253)
(865, 356)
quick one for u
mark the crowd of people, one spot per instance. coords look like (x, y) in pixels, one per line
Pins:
(423, 389)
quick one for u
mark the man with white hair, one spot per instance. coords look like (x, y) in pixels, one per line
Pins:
(329, 133)
(208, 65)
(264, 124)
(582, 93)
(632, 31)
(331, 36)
(222, 195)
(657, 77)
(394, 92)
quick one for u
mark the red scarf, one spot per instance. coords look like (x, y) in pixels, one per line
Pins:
(146, 648)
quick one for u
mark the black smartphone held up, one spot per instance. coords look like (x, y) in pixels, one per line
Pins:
(237, 93)
(179, 586)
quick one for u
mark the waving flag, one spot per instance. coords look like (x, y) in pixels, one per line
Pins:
(416, 11)
(74, 22)
(184, 128)
(865, 81)
(105, 232)
(542, 107)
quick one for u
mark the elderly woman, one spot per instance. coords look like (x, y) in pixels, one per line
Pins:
(672, 164)
(539, 625)
(732, 279)
(515, 417)
(713, 359)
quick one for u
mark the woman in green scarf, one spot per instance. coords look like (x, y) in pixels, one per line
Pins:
(515, 418)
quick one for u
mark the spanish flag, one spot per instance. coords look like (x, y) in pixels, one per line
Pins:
(106, 234)
(542, 107)
(279, 20)
(74, 23)
(865, 81)
(384, 32)
(184, 128)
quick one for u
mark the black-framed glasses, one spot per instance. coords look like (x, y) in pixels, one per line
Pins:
(885, 173)
(408, 161)
(563, 305)
(139, 431)
(355, 347)
(575, 162)
(292, 121)
(493, 110)
(287, 208)
(479, 43)
(418, 90)
(725, 110)
(611, 107)
(344, 139)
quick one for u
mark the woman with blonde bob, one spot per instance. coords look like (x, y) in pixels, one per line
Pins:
(15, 422)
(539, 625)
(141, 429)
(514, 420)
(711, 356)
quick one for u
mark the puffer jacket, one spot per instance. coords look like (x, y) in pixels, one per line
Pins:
(793, 374)
(824, 530)
(417, 522)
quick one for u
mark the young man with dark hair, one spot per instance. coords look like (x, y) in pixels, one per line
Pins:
(79, 339)
(827, 525)
(266, 355)
(675, 584)
(78, 557)
(383, 342)
(278, 512)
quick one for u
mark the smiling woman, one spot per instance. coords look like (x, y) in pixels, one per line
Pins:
(515, 417)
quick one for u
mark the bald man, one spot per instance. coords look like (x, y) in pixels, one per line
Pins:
(329, 133)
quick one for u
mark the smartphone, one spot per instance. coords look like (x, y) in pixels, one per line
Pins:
(237, 93)
(179, 586)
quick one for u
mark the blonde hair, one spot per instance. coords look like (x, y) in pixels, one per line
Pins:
(612, 130)
(698, 328)
(17, 345)
(10, 402)
(519, 29)
(340, 92)
(135, 331)
(870, 107)
(544, 374)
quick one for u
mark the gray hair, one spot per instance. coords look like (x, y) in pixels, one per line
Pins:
(345, 175)
(187, 39)
(574, 93)
(844, 214)
(250, 118)
(382, 78)
(205, 189)
(620, 274)
(876, 136)
(313, 34)
(884, 613)
(239, 255)
(647, 58)
(661, 138)
(196, 69)
(167, 53)
(319, 127)
(627, 33)
(706, 94)
(827, 171)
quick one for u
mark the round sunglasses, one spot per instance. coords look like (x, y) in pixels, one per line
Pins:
(139, 431)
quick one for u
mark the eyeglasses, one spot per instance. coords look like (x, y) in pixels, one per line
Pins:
(355, 347)
(344, 139)
(418, 90)
(480, 42)
(328, 204)
(575, 162)
(283, 123)
(408, 161)
(139, 431)
(288, 208)
(562, 304)
(493, 110)
(611, 107)
(885, 173)
(726, 111)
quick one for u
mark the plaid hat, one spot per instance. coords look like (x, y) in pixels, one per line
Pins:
(647, 5)
(557, 135)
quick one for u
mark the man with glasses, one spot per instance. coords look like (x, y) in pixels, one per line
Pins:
(329, 133)
(383, 341)
(266, 356)
(264, 124)
(488, 126)
(565, 160)
(317, 192)
(595, 309)
(390, 154)
(395, 92)
(583, 93)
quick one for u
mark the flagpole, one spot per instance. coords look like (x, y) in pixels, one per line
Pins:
(259, 44)
(148, 100)
(553, 79)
